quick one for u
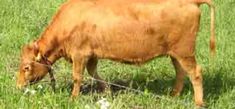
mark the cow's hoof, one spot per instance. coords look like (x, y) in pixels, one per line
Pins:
(72, 98)
(174, 93)
(53, 88)
(201, 106)
(102, 87)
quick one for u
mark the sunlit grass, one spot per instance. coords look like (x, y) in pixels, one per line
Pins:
(21, 21)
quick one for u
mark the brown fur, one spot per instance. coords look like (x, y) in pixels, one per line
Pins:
(130, 31)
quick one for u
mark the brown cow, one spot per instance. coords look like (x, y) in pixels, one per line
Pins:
(130, 31)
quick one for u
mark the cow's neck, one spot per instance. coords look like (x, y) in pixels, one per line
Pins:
(48, 46)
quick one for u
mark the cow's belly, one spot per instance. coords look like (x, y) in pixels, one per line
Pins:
(132, 45)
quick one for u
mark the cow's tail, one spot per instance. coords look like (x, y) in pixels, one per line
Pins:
(212, 30)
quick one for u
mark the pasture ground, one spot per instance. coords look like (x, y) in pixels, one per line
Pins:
(21, 21)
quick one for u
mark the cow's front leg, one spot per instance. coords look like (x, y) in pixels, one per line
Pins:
(78, 68)
(52, 80)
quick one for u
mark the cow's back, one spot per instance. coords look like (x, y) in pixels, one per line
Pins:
(135, 31)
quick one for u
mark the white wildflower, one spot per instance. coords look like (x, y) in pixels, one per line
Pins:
(104, 104)
(33, 92)
(87, 106)
(39, 87)
(14, 78)
(27, 90)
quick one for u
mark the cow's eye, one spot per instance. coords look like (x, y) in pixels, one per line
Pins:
(27, 68)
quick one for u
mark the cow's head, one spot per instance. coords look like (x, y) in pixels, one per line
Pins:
(31, 67)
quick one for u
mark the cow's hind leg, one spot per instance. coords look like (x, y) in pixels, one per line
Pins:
(92, 70)
(194, 72)
(180, 74)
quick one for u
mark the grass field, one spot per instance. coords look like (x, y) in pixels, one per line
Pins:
(22, 21)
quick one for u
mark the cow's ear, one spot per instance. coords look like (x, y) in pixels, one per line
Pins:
(38, 57)
(35, 48)
(36, 52)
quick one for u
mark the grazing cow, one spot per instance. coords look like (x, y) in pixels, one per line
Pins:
(129, 31)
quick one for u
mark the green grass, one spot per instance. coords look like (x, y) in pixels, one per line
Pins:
(21, 21)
